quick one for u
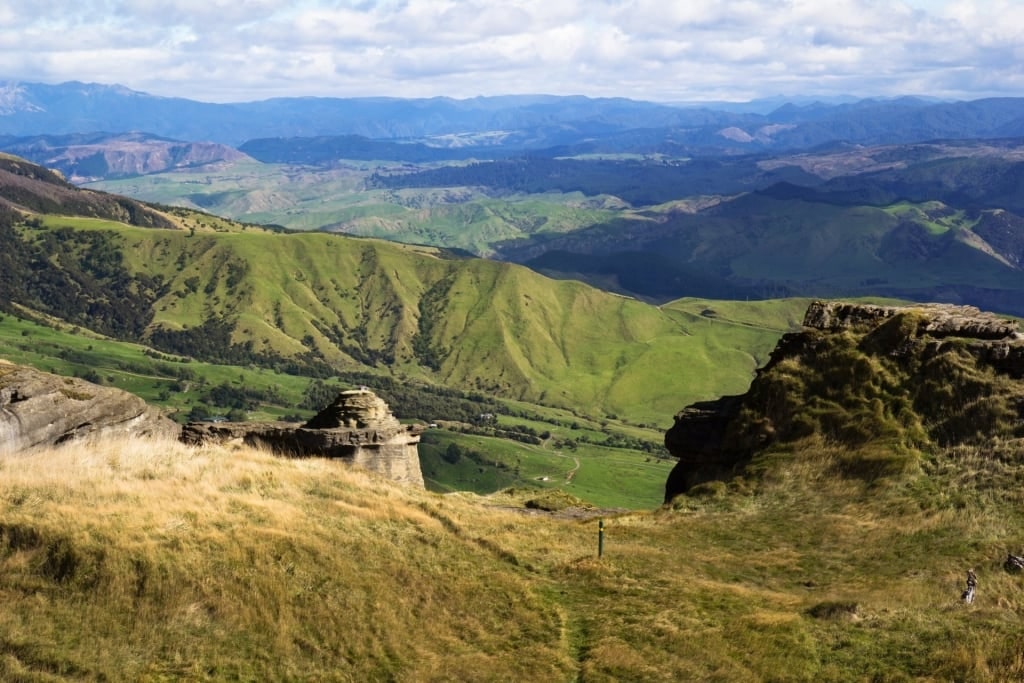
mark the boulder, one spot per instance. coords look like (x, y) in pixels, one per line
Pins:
(41, 409)
(357, 427)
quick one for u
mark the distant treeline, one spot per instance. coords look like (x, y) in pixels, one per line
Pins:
(328, 149)
(636, 181)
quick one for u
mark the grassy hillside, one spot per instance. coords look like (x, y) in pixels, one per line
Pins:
(330, 304)
(604, 462)
(938, 221)
(151, 561)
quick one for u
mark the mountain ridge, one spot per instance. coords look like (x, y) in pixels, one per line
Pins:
(34, 108)
(84, 157)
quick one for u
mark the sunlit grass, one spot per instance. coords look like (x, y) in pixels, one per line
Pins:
(502, 329)
(137, 560)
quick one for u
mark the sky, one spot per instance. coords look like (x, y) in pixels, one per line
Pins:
(659, 50)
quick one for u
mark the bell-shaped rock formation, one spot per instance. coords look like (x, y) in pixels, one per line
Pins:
(906, 379)
(358, 428)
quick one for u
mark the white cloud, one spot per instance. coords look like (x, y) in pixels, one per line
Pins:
(225, 50)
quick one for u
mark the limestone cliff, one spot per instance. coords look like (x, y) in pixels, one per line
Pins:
(41, 409)
(906, 379)
(358, 427)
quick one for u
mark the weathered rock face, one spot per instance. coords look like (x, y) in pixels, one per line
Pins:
(935, 320)
(41, 409)
(912, 377)
(698, 439)
(358, 427)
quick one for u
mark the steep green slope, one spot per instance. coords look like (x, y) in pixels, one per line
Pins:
(319, 304)
(771, 245)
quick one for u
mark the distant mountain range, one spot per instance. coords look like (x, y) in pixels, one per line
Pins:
(948, 228)
(579, 124)
(902, 198)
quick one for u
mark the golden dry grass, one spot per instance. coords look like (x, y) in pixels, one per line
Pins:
(138, 560)
(133, 558)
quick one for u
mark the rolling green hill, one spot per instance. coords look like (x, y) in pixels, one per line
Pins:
(321, 302)
(937, 221)
(771, 244)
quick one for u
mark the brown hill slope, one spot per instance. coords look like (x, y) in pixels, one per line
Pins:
(93, 156)
(27, 187)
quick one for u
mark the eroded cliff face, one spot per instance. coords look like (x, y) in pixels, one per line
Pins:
(125, 154)
(906, 379)
(39, 409)
(358, 428)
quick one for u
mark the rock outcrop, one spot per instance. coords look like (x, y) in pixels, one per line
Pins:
(40, 409)
(697, 439)
(358, 428)
(911, 378)
(934, 320)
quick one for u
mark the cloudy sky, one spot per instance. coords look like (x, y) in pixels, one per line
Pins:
(662, 50)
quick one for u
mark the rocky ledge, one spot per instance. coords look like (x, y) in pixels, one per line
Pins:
(38, 409)
(912, 377)
(934, 320)
(358, 428)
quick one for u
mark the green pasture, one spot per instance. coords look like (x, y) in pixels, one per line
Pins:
(600, 476)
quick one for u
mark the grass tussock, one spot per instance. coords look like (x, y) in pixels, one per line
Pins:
(138, 560)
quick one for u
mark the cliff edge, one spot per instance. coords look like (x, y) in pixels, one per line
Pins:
(906, 379)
